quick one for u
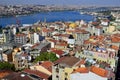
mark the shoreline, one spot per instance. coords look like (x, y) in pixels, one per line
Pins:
(17, 15)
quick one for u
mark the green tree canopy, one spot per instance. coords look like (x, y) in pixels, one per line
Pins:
(46, 56)
(6, 65)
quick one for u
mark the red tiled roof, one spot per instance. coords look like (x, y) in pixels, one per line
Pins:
(53, 49)
(114, 47)
(85, 26)
(20, 35)
(95, 23)
(99, 27)
(17, 76)
(82, 61)
(87, 42)
(4, 73)
(99, 71)
(115, 39)
(24, 54)
(37, 73)
(52, 40)
(59, 52)
(62, 35)
(47, 64)
(106, 20)
(37, 44)
(93, 37)
(82, 70)
(82, 31)
(46, 30)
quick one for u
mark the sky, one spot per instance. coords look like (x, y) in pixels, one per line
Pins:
(64, 2)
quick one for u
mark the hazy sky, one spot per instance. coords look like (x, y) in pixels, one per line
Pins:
(63, 2)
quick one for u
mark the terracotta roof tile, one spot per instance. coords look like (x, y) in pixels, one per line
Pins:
(62, 35)
(52, 40)
(114, 47)
(17, 76)
(35, 45)
(99, 71)
(82, 31)
(82, 70)
(95, 23)
(47, 64)
(98, 27)
(4, 73)
(46, 30)
(37, 73)
(115, 39)
(20, 35)
(59, 52)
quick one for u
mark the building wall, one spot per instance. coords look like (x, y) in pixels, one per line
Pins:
(5, 58)
(2, 39)
(81, 37)
(63, 73)
(36, 38)
(21, 39)
(20, 63)
(61, 47)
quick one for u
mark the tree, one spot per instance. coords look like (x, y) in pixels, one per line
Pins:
(45, 56)
(6, 65)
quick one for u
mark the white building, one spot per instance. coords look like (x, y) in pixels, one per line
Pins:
(86, 76)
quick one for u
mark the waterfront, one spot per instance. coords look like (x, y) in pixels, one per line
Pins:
(46, 16)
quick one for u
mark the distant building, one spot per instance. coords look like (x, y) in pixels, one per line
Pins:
(34, 38)
(2, 39)
(71, 41)
(8, 35)
(7, 55)
(20, 38)
(81, 35)
(38, 48)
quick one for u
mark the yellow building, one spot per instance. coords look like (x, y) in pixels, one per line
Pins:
(73, 25)
(63, 67)
(111, 29)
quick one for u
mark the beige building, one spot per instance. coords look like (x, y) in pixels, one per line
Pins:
(21, 61)
(44, 67)
(63, 67)
(2, 39)
(7, 55)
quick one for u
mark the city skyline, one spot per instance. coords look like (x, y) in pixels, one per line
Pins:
(63, 2)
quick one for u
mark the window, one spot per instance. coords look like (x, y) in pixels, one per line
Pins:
(57, 70)
(57, 76)
(66, 74)
(66, 79)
